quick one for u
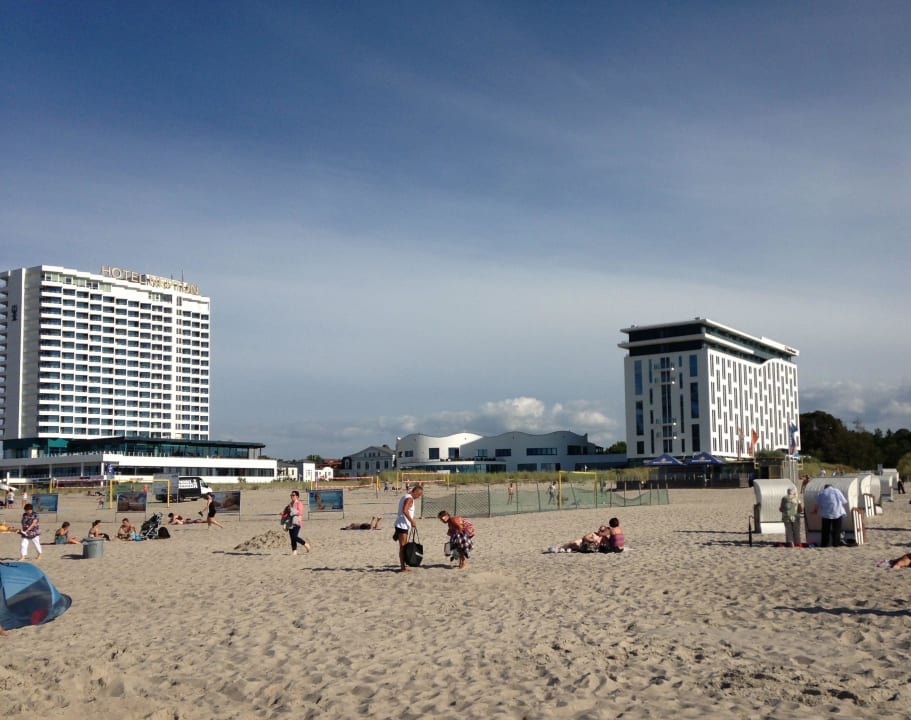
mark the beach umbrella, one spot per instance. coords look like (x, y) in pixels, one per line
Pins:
(704, 458)
(28, 597)
(664, 460)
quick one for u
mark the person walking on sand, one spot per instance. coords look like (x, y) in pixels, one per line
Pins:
(405, 521)
(296, 514)
(791, 510)
(31, 531)
(552, 494)
(461, 536)
(210, 512)
(510, 493)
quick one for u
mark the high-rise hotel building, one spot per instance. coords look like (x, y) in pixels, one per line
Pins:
(700, 386)
(92, 355)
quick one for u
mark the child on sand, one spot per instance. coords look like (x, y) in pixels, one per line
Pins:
(461, 536)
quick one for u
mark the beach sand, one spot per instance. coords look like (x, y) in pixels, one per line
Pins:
(689, 622)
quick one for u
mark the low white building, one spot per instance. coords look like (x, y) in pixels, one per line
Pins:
(508, 452)
(123, 458)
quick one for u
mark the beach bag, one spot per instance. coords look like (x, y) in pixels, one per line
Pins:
(164, 533)
(414, 551)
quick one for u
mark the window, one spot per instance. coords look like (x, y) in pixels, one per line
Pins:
(694, 400)
(637, 377)
(453, 453)
(640, 419)
(433, 453)
(694, 436)
(541, 451)
(503, 452)
(694, 365)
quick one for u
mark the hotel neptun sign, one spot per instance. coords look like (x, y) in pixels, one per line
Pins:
(153, 281)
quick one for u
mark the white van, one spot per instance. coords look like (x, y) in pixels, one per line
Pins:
(182, 487)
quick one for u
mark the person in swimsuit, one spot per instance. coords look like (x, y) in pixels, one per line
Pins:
(374, 524)
(612, 542)
(590, 541)
(62, 536)
(210, 512)
(95, 531)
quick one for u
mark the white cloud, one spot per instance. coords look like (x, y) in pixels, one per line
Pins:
(882, 406)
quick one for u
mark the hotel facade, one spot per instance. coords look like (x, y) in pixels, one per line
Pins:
(114, 363)
(700, 386)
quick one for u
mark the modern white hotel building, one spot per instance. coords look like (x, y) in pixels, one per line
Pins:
(700, 386)
(109, 372)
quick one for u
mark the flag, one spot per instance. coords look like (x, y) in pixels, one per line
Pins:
(754, 438)
(792, 439)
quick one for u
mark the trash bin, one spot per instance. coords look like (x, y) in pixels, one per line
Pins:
(92, 547)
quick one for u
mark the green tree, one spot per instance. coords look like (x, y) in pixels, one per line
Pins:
(823, 436)
(893, 446)
(904, 465)
(617, 447)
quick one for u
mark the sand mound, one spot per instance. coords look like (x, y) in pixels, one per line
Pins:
(271, 540)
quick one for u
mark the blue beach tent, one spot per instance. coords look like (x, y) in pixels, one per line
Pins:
(28, 597)
(663, 460)
(704, 458)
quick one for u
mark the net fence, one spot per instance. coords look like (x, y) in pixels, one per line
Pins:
(531, 497)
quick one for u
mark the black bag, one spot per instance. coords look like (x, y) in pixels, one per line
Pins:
(414, 551)
(163, 533)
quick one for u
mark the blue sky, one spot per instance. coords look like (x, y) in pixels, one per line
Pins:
(436, 217)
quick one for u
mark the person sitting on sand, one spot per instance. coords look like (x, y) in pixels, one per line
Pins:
(590, 542)
(62, 536)
(95, 531)
(126, 531)
(613, 541)
(374, 524)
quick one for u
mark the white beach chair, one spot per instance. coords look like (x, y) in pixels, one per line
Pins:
(766, 512)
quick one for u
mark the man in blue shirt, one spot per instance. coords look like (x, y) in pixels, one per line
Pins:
(830, 504)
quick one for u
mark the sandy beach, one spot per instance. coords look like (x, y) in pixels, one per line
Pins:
(690, 622)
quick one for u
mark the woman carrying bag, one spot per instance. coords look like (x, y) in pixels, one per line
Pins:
(293, 522)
